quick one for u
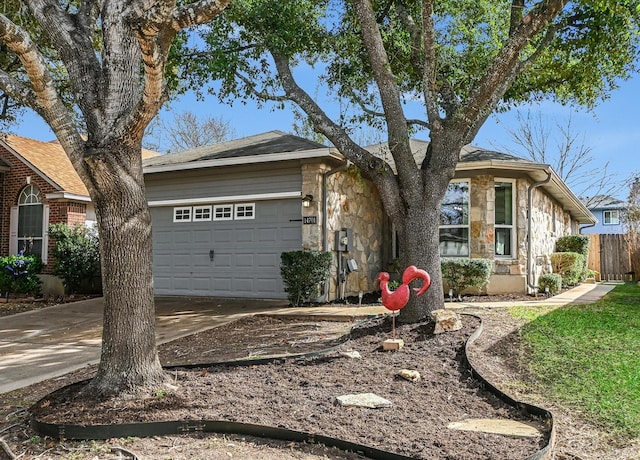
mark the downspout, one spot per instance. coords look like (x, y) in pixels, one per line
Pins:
(586, 226)
(529, 225)
(324, 296)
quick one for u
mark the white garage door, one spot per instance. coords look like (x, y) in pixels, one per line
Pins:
(224, 250)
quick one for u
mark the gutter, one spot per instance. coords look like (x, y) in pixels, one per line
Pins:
(532, 187)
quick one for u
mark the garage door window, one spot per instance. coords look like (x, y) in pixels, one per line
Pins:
(201, 213)
(223, 212)
(182, 214)
(245, 211)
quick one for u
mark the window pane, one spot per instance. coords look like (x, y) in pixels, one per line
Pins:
(503, 241)
(455, 205)
(611, 217)
(454, 242)
(504, 203)
(30, 247)
(30, 220)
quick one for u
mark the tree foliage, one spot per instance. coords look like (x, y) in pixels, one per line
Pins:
(405, 67)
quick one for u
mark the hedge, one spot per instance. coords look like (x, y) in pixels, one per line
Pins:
(302, 272)
(569, 265)
(553, 281)
(19, 275)
(465, 273)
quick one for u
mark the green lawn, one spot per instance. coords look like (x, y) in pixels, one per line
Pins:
(589, 357)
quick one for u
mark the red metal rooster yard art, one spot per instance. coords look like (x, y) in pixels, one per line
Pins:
(396, 300)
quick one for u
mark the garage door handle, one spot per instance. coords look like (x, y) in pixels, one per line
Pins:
(211, 255)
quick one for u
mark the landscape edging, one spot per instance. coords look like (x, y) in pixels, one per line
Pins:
(149, 429)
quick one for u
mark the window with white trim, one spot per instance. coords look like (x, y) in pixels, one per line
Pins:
(30, 221)
(201, 213)
(245, 211)
(454, 220)
(504, 220)
(223, 212)
(182, 214)
(611, 217)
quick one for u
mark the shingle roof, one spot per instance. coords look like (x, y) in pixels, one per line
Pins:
(468, 153)
(50, 159)
(603, 202)
(271, 142)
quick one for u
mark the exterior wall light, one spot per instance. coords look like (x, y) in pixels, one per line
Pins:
(306, 200)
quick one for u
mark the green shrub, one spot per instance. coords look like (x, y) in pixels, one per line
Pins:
(465, 273)
(77, 258)
(579, 244)
(19, 275)
(302, 272)
(573, 243)
(569, 265)
(553, 281)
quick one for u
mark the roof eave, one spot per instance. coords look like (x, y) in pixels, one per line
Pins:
(537, 171)
(327, 152)
(67, 196)
(30, 165)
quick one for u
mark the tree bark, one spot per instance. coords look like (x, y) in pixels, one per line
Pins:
(129, 361)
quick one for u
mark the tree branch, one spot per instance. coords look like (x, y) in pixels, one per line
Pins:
(42, 96)
(373, 167)
(261, 94)
(200, 12)
(72, 35)
(399, 145)
(429, 76)
(504, 69)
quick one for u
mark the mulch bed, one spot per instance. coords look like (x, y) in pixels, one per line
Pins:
(300, 394)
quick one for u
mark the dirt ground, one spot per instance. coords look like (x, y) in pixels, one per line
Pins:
(300, 394)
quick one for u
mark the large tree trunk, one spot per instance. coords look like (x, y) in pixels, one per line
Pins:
(129, 358)
(419, 246)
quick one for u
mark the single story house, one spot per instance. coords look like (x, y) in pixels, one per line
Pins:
(608, 211)
(223, 214)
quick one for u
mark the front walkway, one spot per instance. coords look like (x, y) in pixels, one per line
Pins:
(50, 342)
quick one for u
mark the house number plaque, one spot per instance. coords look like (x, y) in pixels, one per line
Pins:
(309, 220)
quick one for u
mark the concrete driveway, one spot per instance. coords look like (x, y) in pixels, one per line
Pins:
(50, 342)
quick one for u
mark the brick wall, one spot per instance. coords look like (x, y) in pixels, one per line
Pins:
(11, 184)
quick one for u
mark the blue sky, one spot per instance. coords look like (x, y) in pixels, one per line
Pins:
(611, 130)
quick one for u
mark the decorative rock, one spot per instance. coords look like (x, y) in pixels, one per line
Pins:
(497, 426)
(446, 321)
(392, 344)
(369, 400)
(351, 354)
(410, 375)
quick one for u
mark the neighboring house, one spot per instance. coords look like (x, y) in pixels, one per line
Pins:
(223, 214)
(39, 187)
(608, 211)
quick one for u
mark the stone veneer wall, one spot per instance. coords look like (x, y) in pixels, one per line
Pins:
(549, 221)
(353, 203)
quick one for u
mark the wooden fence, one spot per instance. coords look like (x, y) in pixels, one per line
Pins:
(610, 256)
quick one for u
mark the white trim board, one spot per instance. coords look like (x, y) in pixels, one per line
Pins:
(225, 199)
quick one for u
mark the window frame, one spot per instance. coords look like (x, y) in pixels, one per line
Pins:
(611, 212)
(459, 226)
(181, 209)
(30, 195)
(244, 217)
(223, 208)
(512, 226)
(203, 208)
